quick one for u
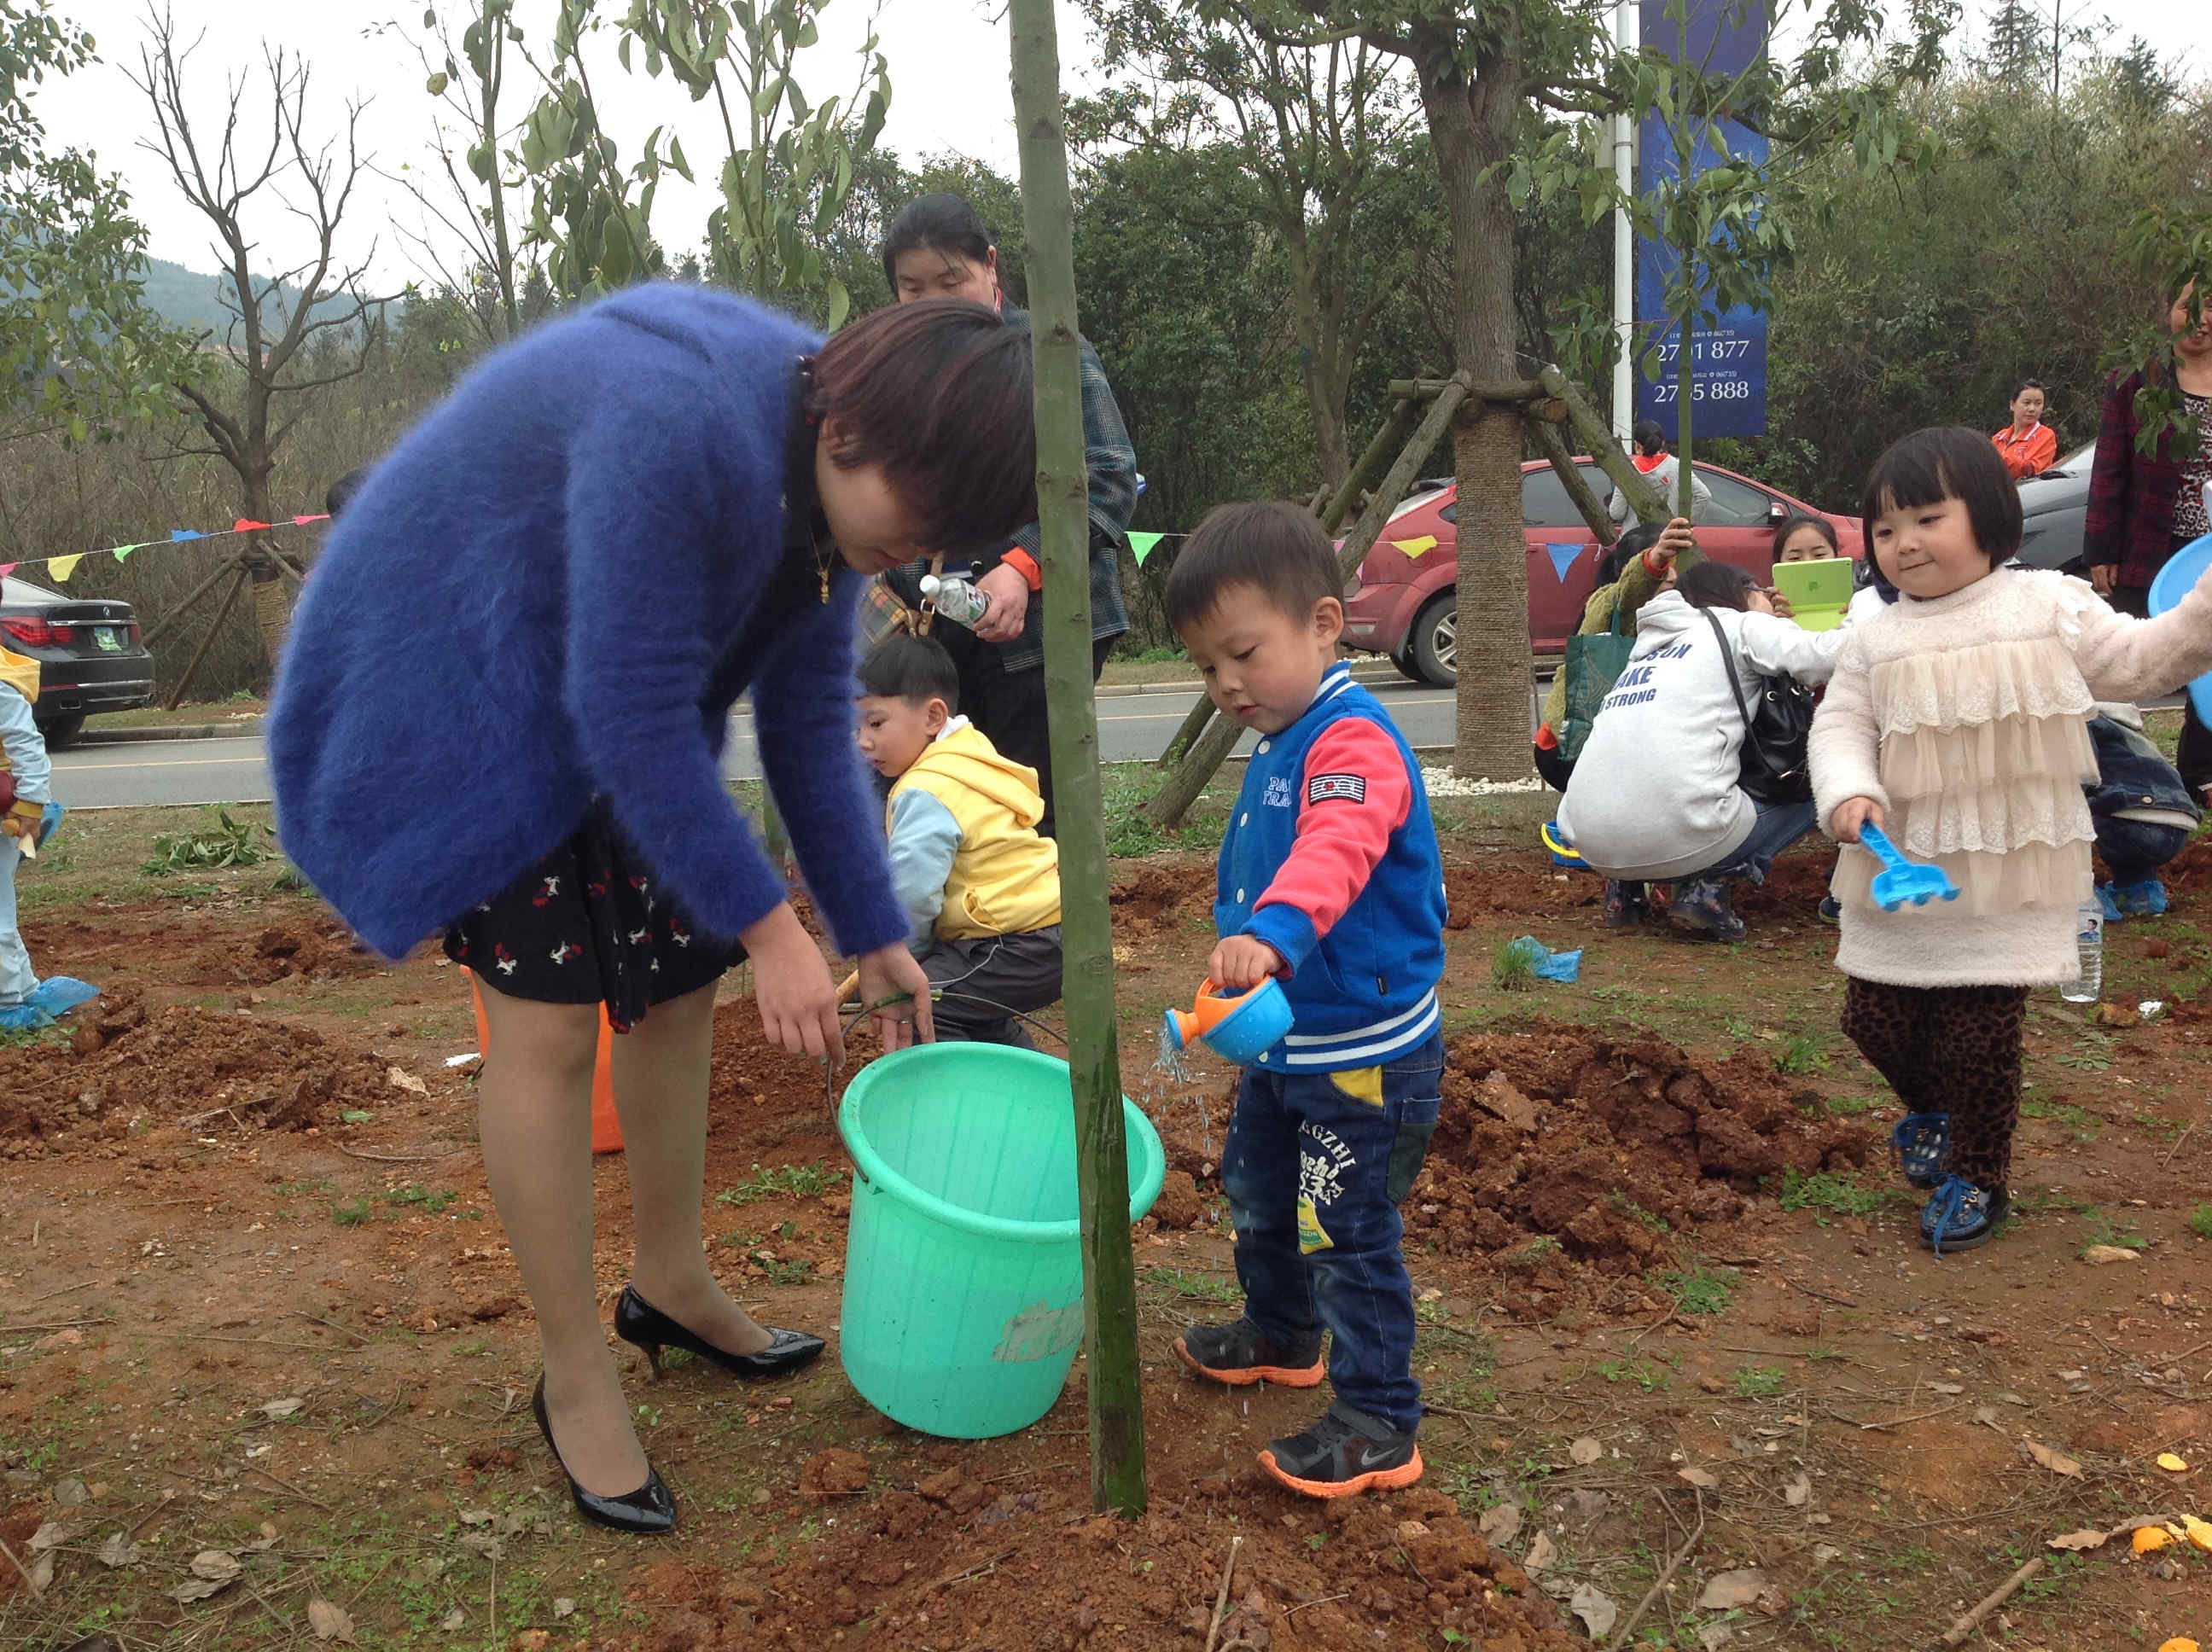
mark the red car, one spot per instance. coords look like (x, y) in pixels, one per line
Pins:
(1406, 606)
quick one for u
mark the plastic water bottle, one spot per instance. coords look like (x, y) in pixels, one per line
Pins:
(957, 597)
(2088, 986)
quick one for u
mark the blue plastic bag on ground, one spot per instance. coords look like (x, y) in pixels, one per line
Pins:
(1547, 964)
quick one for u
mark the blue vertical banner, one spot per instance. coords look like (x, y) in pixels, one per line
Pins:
(1729, 362)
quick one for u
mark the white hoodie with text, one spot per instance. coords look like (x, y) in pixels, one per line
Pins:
(1654, 793)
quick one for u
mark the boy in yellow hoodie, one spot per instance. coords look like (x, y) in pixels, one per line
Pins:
(981, 888)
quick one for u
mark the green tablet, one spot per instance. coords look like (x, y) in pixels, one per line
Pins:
(1818, 591)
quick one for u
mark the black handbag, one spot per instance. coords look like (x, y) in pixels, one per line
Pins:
(1776, 732)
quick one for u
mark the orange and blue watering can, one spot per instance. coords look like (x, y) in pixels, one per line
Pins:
(1237, 1028)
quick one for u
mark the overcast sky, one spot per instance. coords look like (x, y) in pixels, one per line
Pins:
(948, 69)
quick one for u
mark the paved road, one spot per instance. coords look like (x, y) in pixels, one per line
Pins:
(1134, 726)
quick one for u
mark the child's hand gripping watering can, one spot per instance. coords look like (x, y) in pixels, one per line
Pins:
(1905, 880)
(1239, 1028)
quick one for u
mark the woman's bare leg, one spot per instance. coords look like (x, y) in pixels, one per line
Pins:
(534, 1115)
(661, 1071)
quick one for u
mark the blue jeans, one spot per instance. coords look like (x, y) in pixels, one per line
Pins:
(1314, 1167)
(17, 978)
(2135, 849)
(1780, 825)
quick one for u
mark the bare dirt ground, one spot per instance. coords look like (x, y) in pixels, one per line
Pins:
(264, 1355)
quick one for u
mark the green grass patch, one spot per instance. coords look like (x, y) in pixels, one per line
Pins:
(1759, 1381)
(1851, 1107)
(1802, 1052)
(1837, 1191)
(2200, 1221)
(1512, 969)
(2104, 1231)
(782, 1181)
(1700, 1289)
(1198, 1287)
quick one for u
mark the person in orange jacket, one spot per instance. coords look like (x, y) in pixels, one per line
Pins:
(2027, 446)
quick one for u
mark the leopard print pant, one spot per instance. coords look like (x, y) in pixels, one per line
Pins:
(1948, 1049)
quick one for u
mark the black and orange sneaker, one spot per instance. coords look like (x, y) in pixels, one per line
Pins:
(1346, 1452)
(1239, 1355)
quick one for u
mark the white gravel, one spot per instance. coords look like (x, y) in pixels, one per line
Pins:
(1442, 783)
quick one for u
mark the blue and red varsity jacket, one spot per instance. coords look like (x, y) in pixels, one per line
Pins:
(1331, 859)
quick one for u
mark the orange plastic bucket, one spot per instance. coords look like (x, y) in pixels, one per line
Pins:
(606, 1128)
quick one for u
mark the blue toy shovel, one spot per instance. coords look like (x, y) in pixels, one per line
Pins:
(1905, 880)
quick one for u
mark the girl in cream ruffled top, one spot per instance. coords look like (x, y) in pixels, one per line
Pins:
(1957, 720)
(1965, 716)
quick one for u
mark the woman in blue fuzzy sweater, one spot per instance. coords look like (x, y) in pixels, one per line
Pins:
(501, 714)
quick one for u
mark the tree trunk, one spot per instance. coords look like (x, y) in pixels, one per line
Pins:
(1109, 1288)
(1471, 125)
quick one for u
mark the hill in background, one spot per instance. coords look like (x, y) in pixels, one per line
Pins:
(191, 298)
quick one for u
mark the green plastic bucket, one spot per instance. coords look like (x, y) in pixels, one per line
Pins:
(963, 1265)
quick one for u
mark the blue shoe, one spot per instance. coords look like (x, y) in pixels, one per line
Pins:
(59, 994)
(1918, 1146)
(24, 1018)
(2110, 903)
(2144, 900)
(1702, 908)
(1962, 1214)
(1832, 910)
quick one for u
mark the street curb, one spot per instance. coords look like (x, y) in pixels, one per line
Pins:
(243, 726)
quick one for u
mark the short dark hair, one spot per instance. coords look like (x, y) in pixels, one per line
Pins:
(1948, 461)
(1276, 548)
(937, 394)
(916, 670)
(2027, 384)
(342, 491)
(1790, 525)
(936, 223)
(1648, 436)
(1630, 545)
(1715, 584)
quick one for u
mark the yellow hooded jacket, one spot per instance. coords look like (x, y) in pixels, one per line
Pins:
(1005, 878)
(21, 673)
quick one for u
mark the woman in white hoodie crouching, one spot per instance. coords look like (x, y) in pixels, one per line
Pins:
(1655, 795)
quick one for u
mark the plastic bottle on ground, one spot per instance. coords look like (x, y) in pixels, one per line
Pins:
(2089, 984)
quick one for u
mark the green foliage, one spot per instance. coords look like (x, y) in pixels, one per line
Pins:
(1839, 1191)
(81, 353)
(1511, 968)
(1759, 1382)
(2104, 1230)
(2200, 1221)
(783, 176)
(782, 1181)
(1698, 1289)
(1802, 1052)
(228, 842)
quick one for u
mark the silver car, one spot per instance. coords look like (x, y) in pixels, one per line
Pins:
(2054, 505)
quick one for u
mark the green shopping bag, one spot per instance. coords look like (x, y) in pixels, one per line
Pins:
(1594, 665)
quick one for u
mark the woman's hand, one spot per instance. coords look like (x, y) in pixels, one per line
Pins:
(1851, 814)
(1240, 962)
(1010, 604)
(797, 999)
(895, 989)
(1674, 540)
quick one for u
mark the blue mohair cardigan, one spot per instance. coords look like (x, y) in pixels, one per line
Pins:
(555, 585)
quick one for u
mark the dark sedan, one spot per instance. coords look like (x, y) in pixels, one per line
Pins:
(89, 653)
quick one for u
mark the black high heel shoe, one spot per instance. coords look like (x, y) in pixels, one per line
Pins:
(647, 1511)
(639, 1322)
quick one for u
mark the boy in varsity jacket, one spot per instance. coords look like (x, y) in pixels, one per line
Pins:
(1329, 878)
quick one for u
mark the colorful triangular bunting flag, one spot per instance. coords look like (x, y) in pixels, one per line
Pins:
(1142, 545)
(242, 526)
(1564, 553)
(60, 567)
(1416, 548)
(177, 536)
